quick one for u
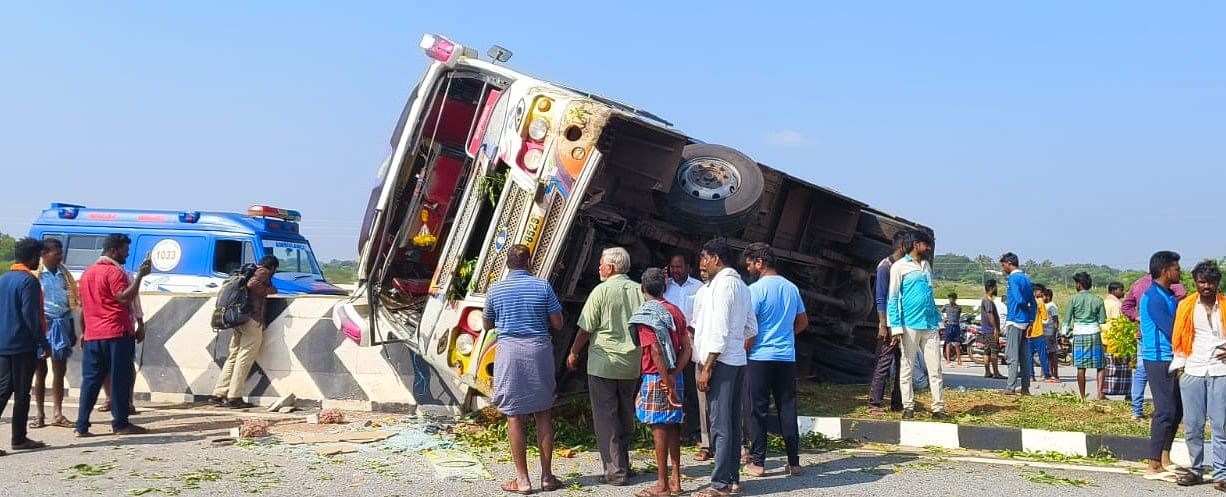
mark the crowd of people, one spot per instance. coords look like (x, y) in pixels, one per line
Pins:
(692, 359)
(646, 342)
(695, 359)
(46, 315)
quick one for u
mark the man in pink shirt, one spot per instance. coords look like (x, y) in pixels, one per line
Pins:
(110, 336)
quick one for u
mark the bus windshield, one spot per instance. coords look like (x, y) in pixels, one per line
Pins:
(295, 258)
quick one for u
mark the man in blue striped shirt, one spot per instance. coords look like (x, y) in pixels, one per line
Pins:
(523, 308)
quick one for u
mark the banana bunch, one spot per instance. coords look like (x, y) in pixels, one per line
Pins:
(1120, 338)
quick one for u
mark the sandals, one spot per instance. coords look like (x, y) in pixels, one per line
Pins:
(704, 454)
(1220, 486)
(107, 408)
(38, 423)
(550, 484)
(62, 422)
(1166, 476)
(1189, 478)
(29, 445)
(653, 492)
(512, 486)
(711, 492)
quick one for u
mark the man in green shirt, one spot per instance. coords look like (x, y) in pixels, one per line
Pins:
(1085, 314)
(613, 362)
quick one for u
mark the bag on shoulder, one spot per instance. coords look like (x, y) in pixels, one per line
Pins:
(233, 302)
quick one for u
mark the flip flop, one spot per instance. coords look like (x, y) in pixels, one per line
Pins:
(62, 422)
(104, 407)
(1165, 476)
(513, 487)
(652, 492)
(34, 425)
(550, 484)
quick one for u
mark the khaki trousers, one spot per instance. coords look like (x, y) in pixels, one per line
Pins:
(244, 348)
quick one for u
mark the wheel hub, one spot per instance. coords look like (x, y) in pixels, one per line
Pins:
(709, 178)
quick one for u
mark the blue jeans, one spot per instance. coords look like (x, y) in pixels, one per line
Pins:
(103, 358)
(1205, 395)
(1138, 390)
(1039, 346)
(919, 373)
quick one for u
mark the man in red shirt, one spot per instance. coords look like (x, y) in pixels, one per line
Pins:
(660, 327)
(111, 334)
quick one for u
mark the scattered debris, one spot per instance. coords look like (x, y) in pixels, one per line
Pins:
(154, 490)
(194, 479)
(253, 428)
(412, 439)
(283, 402)
(358, 437)
(331, 417)
(80, 470)
(1050, 479)
(333, 449)
(372, 424)
(456, 465)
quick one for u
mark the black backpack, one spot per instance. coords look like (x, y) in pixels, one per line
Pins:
(233, 303)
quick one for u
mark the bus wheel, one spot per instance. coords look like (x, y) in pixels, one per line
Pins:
(717, 189)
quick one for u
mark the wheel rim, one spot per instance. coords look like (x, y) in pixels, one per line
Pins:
(709, 178)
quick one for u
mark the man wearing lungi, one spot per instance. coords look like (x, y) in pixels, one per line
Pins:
(60, 300)
(1085, 314)
(523, 308)
(665, 344)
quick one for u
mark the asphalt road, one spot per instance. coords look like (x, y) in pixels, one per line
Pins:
(180, 459)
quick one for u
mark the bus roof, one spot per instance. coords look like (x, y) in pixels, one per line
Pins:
(70, 216)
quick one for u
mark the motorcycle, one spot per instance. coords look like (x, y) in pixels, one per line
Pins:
(978, 345)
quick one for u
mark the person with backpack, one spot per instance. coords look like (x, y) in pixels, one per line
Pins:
(248, 333)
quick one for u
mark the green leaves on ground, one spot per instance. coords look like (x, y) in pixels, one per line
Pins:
(1060, 481)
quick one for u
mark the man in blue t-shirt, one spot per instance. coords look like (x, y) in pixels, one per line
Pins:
(1157, 313)
(771, 368)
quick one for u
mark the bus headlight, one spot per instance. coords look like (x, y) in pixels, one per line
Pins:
(533, 158)
(538, 129)
(464, 343)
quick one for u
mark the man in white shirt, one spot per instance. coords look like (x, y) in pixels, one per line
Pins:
(1197, 342)
(680, 292)
(1114, 301)
(681, 286)
(724, 329)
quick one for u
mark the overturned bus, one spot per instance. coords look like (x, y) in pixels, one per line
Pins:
(484, 157)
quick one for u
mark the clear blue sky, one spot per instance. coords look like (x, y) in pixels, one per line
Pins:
(1075, 131)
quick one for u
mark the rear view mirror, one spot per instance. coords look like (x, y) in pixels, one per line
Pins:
(499, 54)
